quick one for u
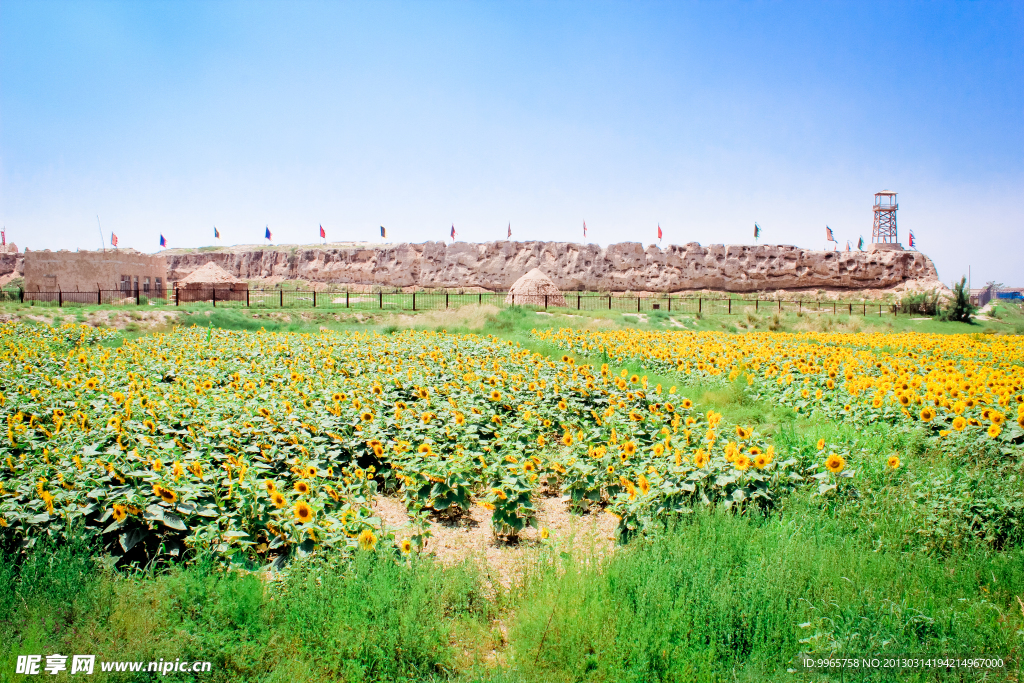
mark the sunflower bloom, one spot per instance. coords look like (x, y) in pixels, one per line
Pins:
(835, 463)
(303, 513)
(367, 539)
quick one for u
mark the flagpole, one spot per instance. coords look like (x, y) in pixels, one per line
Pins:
(103, 245)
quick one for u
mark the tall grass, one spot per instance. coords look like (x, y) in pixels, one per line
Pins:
(723, 597)
(368, 619)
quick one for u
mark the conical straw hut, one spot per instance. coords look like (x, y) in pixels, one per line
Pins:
(535, 289)
(206, 281)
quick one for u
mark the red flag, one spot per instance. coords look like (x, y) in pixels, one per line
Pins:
(113, 239)
(3, 234)
(659, 231)
(323, 235)
(584, 228)
(509, 231)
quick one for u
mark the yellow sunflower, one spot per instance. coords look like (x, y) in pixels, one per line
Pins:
(302, 487)
(835, 463)
(893, 462)
(700, 459)
(367, 539)
(303, 513)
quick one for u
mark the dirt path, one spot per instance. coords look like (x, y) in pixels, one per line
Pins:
(471, 536)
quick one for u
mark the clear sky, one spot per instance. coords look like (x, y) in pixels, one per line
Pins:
(175, 117)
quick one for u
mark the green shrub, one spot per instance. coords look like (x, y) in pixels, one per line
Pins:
(960, 308)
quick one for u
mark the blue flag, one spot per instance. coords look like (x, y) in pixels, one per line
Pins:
(267, 236)
(163, 242)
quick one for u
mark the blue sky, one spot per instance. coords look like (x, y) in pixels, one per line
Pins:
(174, 117)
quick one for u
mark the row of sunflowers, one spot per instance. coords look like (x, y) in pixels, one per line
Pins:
(965, 390)
(257, 445)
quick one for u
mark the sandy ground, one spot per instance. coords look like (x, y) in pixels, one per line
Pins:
(471, 536)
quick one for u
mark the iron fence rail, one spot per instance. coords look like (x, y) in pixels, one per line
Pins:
(425, 301)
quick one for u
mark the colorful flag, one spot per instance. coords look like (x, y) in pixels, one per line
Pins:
(113, 239)
(860, 243)
(383, 231)
(829, 237)
(163, 242)
(216, 232)
(659, 231)
(267, 236)
(453, 232)
(509, 231)
(757, 231)
(3, 237)
(847, 245)
(911, 239)
(584, 228)
(323, 235)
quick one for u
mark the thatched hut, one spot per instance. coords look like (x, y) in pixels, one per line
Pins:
(209, 281)
(535, 289)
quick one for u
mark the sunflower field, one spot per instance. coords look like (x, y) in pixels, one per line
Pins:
(256, 445)
(965, 391)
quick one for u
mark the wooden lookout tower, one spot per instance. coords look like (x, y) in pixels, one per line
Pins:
(884, 229)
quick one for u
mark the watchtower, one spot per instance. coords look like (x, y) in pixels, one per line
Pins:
(884, 229)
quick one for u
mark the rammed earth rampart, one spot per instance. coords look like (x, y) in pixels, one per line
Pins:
(627, 266)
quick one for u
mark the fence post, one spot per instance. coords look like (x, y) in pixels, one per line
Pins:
(730, 305)
(346, 299)
(801, 305)
(865, 311)
(545, 302)
(578, 299)
(314, 298)
(609, 302)
(446, 299)
(281, 297)
(247, 297)
(21, 294)
(60, 298)
(700, 304)
(757, 302)
(213, 297)
(380, 298)
(99, 296)
(780, 305)
(177, 299)
(414, 300)
(833, 308)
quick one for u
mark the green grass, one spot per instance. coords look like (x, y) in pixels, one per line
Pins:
(371, 619)
(723, 597)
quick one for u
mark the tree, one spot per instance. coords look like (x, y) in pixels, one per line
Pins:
(960, 308)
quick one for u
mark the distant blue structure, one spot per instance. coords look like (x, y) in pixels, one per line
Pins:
(1012, 294)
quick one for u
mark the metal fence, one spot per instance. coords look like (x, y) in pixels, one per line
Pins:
(398, 300)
